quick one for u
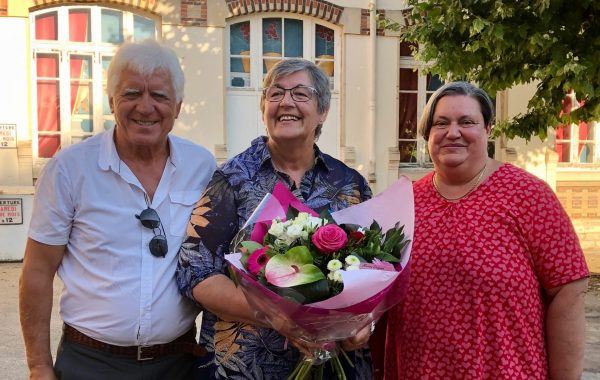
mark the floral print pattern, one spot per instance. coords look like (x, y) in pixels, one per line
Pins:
(238, 350)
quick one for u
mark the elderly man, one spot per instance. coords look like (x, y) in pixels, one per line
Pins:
(109, 217)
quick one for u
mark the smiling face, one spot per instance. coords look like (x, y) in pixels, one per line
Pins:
(287, 120)
(458, 133)
(145, 110)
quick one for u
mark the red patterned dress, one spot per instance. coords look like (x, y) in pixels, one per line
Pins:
(475, 308)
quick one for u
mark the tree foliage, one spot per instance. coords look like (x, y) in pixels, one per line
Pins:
(498, 44)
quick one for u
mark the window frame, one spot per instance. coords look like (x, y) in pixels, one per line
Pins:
(64, 48)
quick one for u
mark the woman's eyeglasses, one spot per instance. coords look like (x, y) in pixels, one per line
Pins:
(150, 219)
(299, 93)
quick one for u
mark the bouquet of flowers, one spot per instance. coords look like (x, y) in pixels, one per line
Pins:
(324, 277)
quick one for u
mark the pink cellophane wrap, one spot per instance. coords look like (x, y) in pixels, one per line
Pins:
(367, 293)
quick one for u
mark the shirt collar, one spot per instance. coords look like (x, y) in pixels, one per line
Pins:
(109, 158)
(264, 156)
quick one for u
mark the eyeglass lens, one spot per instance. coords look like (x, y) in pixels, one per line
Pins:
(158, 244)
(299, 93)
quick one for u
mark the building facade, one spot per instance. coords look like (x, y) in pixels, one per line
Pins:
(58, 52)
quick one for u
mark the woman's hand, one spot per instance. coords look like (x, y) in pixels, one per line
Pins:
(360, 340)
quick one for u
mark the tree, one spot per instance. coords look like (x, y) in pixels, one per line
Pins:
(498, 44)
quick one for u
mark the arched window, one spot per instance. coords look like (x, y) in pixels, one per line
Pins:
(255, 44)
(72, 48)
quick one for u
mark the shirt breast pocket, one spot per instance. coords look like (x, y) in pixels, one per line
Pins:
(182, 204)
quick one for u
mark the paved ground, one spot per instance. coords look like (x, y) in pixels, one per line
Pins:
(12, 354)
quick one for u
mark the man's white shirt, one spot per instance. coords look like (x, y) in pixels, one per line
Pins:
(114, 289)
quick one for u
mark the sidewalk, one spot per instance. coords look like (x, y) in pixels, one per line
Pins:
(12, 354)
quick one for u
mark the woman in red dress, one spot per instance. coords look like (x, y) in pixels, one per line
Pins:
(498, 278)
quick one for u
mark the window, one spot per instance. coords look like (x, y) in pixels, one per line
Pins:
(72, 47)
(414, 90)
(255, 45)
(578, 143)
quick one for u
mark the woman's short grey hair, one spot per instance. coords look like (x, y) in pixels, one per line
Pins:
(145, 58)
(452, 89)
(319, 80)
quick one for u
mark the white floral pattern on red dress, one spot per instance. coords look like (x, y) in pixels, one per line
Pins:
(475, 307)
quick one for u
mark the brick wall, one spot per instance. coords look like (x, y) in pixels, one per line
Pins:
(365, 22)
(149, 5)
(316, 8)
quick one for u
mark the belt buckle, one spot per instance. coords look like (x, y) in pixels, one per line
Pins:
(140, 353)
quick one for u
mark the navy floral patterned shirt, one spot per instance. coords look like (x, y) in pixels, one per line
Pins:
(238, 350)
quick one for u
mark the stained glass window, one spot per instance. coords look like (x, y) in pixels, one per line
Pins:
(325, 49)
(239, 53)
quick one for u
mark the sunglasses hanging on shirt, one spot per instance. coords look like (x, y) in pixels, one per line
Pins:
(158, 244)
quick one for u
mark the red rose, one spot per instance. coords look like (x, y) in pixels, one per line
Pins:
(357, 236)
(329, 238)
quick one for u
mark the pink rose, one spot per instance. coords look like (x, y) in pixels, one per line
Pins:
(329, 238)
(257, 260)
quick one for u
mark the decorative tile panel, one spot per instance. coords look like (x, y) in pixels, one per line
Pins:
(194, 12)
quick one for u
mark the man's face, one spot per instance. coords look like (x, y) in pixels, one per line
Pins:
(145, 109)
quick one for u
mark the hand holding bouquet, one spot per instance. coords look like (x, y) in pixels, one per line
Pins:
(324, 278)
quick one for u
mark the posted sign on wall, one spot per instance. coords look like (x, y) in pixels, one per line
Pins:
(11, 211)
(8, 135)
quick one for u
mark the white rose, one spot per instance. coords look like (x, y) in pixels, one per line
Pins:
(293, 232)
(352, 267)
(315, 222)
(276, 228)
(301, 218)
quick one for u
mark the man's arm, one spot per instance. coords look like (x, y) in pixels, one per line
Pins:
(35, 304)
(565, 328)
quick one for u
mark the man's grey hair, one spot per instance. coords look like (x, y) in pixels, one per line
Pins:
(145, 58)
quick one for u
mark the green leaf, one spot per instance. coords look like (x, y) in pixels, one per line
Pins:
(250, 246)
(291, 213)
(383, 256)
(307, 293)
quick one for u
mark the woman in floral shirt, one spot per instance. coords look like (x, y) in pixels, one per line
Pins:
(294, 104)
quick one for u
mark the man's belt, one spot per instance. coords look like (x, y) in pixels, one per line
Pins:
(185, 344)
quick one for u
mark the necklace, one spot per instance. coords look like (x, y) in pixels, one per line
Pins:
(479, 177)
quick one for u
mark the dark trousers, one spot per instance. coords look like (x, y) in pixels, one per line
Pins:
(77, 362)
